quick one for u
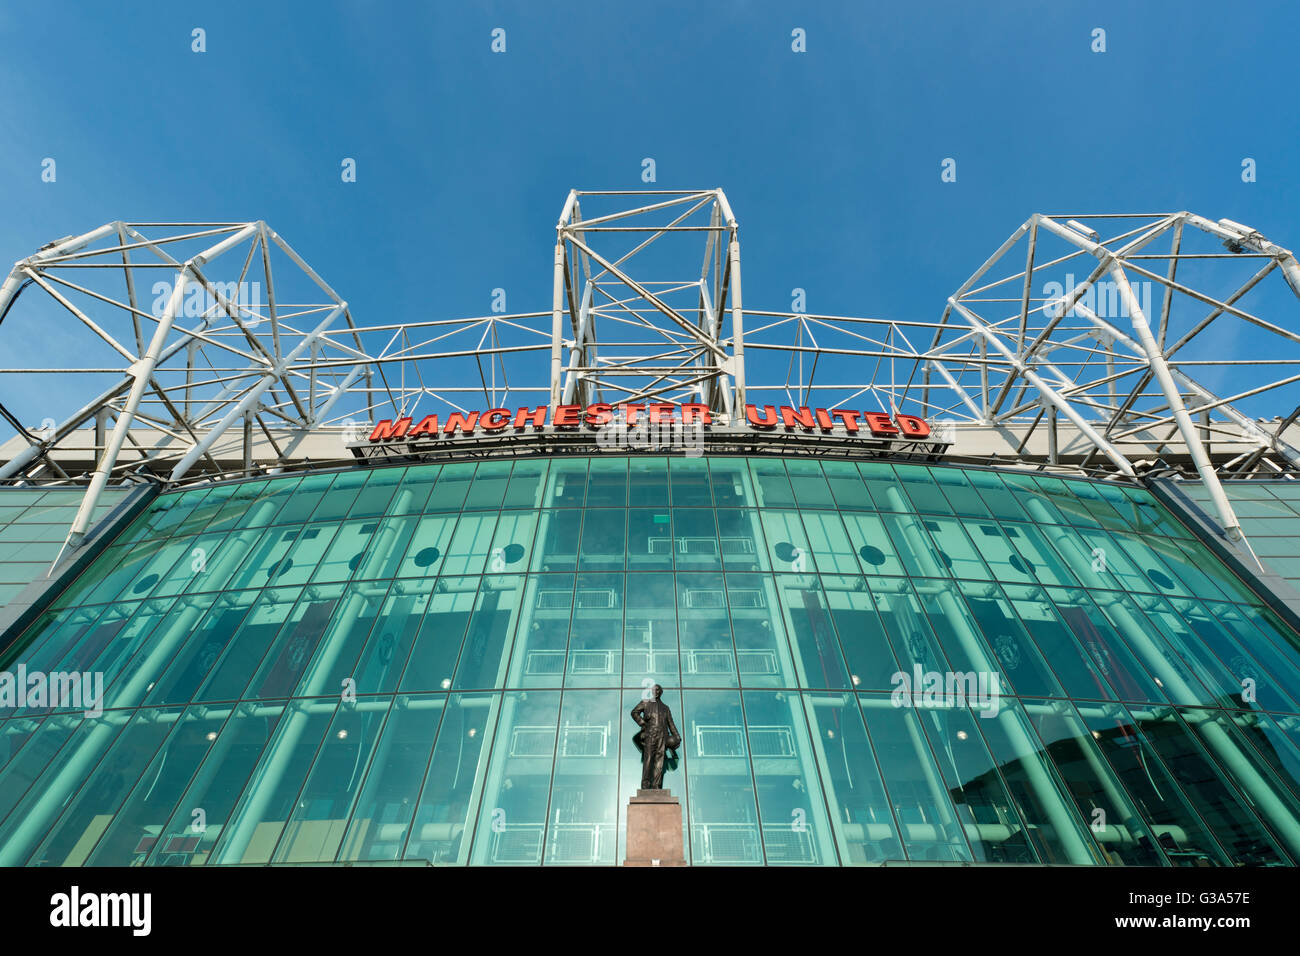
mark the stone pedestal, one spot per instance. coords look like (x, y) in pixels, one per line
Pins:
(654, 830)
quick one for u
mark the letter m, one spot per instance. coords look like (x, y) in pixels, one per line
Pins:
(387, 430)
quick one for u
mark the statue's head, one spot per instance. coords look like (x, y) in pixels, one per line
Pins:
(659, 691)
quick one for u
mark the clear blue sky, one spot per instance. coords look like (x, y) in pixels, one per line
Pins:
(831, 158)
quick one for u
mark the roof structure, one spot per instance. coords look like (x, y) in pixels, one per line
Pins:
(1116, 344)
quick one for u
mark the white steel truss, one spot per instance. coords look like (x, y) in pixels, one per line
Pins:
(220, 344)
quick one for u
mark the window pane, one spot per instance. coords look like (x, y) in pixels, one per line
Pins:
(512, 817)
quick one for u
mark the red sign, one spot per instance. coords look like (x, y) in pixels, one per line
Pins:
(495, 420)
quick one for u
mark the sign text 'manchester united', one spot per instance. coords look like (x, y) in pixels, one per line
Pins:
(873, 424)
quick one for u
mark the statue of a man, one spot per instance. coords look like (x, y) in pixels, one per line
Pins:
(657, 734)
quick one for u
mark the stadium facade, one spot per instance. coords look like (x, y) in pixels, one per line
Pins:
(289, 589)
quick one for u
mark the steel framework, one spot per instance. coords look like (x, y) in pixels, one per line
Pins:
(246, 353)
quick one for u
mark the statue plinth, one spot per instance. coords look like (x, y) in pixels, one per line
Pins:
(654, 829)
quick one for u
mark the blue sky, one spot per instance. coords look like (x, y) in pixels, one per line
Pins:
(831, 158)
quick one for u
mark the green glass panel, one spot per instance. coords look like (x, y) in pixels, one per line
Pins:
(957, 554)
(341, 496)
(1078, 670)
(489, 488)
(543, 635)
(512, 817)
(695, 540)
(1053, 825)
(567, 485)
(862, 820)
(199, 652)
(758, 628)
(722, 816)
(246, 648)
(468, 549)
(815, 645)
(828, 540)
(595, 652)
(917, 795)
(1099, 796)
(297, 643)
(418, 483)
(740, 535)
(1164, 806)
(809, 485)
(558, 531)
(648, 482)
(787, 546)
(386, 803)
(428, 545)
(731, 484)
(604, 539)
(1127, 678)
(707, 656)
(985, 809)
(376, 495)
(104, 793)
(690, 483)
(271, 796)
(922, 490)
(491, 629)
(886, 491)
(1228, 814)
(453, 484)
(794, 824)
(582, 821)
(771, 483)
(315, 829)
(443, 822)
(846, 486)
(146, 810)
(961, 494)
(527, 484)
(607, 484)
(387, 548)
(650, 631)
(1016, 654)
(187, 837)
(437, 645)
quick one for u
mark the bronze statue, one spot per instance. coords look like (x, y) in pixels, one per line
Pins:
(657, 734)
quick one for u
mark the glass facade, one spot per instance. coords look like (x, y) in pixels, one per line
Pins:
(1269, 512)
(34, 524)
(437, 664)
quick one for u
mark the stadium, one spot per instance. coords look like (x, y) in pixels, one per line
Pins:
(1013, 583)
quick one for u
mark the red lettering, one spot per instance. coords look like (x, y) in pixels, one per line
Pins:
(464, 423)
(495, 419)
(912, 426)
(566, 416)
(657, 412)
(630, 411)
(767, 421)
(849, 418)
(803, 416)
(691, 411)
(387, 430)
(824, 419)
(537, 417)
(599, 414)
(428, 426)
(879, 424)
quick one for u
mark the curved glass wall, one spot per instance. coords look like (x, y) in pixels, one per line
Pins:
(869, 662)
